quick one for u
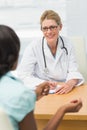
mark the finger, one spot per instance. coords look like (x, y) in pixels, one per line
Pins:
(44, 84)
(74, 101)
(63, 90)
(45, 91)
(60, 91)
(78, 107)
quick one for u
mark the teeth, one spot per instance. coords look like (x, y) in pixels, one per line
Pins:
(51, 36)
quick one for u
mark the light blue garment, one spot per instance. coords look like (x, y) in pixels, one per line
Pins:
(16, 99)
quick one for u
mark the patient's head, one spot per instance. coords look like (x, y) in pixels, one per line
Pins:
(9, 49)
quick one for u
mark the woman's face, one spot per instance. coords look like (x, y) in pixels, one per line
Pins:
(50, 30)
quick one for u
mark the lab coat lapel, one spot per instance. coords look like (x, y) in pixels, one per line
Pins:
(47, 51)
(49, 54)
(59, 53)
(59, 50)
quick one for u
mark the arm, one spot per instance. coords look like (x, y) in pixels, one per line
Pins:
(54, 122)
(25, 70)
(28, 123)
(73, 72)
(74, 77)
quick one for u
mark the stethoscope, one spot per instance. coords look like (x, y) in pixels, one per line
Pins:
(45, 64)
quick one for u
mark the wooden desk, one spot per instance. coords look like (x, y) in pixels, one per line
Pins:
(48, 105)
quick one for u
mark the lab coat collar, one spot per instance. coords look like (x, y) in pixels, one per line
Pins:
(58, 52)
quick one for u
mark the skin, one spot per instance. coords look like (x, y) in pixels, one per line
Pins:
(51, 36)
(67, 87)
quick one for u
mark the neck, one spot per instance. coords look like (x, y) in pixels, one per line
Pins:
(53, 47)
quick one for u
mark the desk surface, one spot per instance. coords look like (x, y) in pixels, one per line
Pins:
(48, 105)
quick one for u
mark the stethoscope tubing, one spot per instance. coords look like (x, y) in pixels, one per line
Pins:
(63, 47)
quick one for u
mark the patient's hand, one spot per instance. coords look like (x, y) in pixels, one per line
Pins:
(42, 89)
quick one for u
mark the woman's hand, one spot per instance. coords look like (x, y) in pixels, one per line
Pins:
(52, 84)
(67, 87)
(42, 89)
(73, 106)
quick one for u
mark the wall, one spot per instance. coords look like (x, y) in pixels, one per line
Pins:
(77, 18)
(23, 16)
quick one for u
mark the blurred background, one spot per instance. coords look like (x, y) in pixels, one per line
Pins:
(24, 15)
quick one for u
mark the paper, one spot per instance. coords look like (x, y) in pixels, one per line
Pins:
(54, 90)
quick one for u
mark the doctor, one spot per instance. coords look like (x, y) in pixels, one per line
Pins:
(50, 58)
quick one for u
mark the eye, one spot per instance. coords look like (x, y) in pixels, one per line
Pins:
(45, 28)
(52, 27)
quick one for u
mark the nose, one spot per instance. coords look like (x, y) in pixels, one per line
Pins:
(49, 30)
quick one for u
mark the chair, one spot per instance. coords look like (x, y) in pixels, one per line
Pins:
(80, 48)
(5, 123)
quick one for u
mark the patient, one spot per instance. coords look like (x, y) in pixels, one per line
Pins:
(17, 100)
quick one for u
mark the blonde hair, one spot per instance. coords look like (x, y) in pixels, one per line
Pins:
(50, 14)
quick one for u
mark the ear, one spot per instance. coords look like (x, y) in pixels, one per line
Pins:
(60, 27)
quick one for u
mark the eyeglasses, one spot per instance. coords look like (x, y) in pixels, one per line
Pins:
(52, 28)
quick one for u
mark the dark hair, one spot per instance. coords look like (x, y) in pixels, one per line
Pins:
(9, 48)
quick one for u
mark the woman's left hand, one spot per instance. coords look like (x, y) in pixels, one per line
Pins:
(65, 88)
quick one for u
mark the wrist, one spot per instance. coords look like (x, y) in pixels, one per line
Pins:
(72, 83)
(63, 109)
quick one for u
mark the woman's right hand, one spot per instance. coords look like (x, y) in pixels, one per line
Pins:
(52, 84)
(42, 89)
(73, 106)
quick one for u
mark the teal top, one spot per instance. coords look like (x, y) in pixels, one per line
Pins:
(16, 99)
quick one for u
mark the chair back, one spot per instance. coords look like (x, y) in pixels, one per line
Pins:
(80, 49)
(5, 123)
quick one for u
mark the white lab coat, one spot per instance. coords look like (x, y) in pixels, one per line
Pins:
(61, 68)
